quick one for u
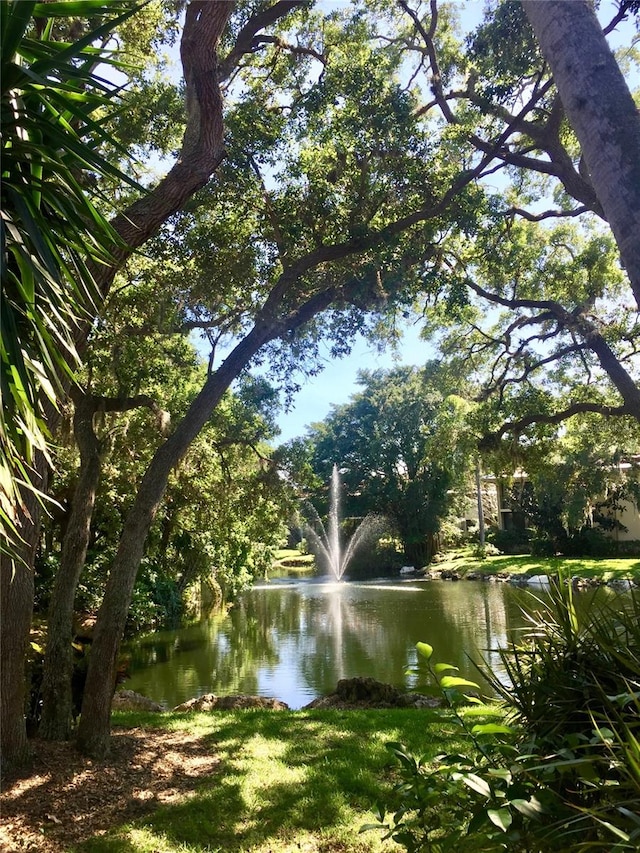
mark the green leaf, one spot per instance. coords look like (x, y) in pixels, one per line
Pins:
(500, 818)
(425, 650)
(492, 729)
(477, 784)
(531, 808)
(449, 681)
(15, 20)
(500, 773)
(443, 667)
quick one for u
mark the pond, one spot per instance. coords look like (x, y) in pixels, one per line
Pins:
(293, 640)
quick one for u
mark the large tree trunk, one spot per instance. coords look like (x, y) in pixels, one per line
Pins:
(57, 696)
(601, 111)
(418, 552)
(93, 729)
(16, 608)
(481, 528)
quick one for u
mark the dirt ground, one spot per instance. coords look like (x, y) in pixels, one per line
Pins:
(66, 798)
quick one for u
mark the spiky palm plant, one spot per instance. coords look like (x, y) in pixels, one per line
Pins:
(54, 112)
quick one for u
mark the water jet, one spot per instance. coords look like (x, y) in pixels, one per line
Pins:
(327, 539)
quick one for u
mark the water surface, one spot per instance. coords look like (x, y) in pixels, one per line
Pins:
(293, 640)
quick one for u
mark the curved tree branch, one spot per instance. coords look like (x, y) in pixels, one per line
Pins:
(490, 441)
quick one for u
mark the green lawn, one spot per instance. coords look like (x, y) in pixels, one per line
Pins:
(463, 562)
(289, 561)
(287, 781)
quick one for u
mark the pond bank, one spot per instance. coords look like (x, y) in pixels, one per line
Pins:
(520, 568)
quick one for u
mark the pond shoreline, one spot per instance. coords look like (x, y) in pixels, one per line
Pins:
(524, 580)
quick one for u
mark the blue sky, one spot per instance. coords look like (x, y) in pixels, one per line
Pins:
(337, 382)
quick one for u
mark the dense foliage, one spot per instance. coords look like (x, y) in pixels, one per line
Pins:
(55, 111)
(561, 772)
(400, 447)
(335, 173)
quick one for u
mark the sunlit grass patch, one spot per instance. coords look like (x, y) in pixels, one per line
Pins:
(286, 781)
(464, 562)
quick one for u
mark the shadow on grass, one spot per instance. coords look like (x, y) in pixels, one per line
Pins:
(281, 774)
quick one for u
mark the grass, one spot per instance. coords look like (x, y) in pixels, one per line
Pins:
(290, 561)
(287, 781)
(464, 562)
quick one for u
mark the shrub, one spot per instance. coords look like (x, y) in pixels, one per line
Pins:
(543, 546)
(481, 552)
(563, 771)
(589, 542)
(514, 541)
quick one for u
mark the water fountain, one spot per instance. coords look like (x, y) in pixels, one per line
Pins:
(327, 540)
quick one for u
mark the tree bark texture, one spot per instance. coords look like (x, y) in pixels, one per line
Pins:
(481, 528)
(16, 610)
(57, 700)
(599, 106)
(202, 145)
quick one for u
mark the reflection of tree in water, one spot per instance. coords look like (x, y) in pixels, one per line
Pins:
(371, 635)
(354, 635)
(218, 655)
(307, 636)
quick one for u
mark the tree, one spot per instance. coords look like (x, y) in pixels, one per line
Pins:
(396, 446)
(601, 110)
(58, 662)
(337, 193)
(133, 362)
(559, 339)
(201, 153)
(480, 92)
(576, 485)
(52, 238)
(351, 248)
(52, 230)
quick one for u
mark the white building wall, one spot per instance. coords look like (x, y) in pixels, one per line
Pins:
(630, 518)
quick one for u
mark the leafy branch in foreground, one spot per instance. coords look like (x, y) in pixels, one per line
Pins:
(569, 779)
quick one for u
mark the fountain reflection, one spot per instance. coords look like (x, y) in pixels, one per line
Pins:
(295, 641)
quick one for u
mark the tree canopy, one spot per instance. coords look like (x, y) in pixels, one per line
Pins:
(399, 450)
(335, 171)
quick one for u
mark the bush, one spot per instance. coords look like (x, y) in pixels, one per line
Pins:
(375, 560)
(575, 692)
(515, 541)
(563, 771)
(481, 552)
(452, 536)
(589, 542)
(627, 548)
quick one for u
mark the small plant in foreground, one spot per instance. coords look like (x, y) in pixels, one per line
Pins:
(484, 795)
(563, 772)
(574, 689)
